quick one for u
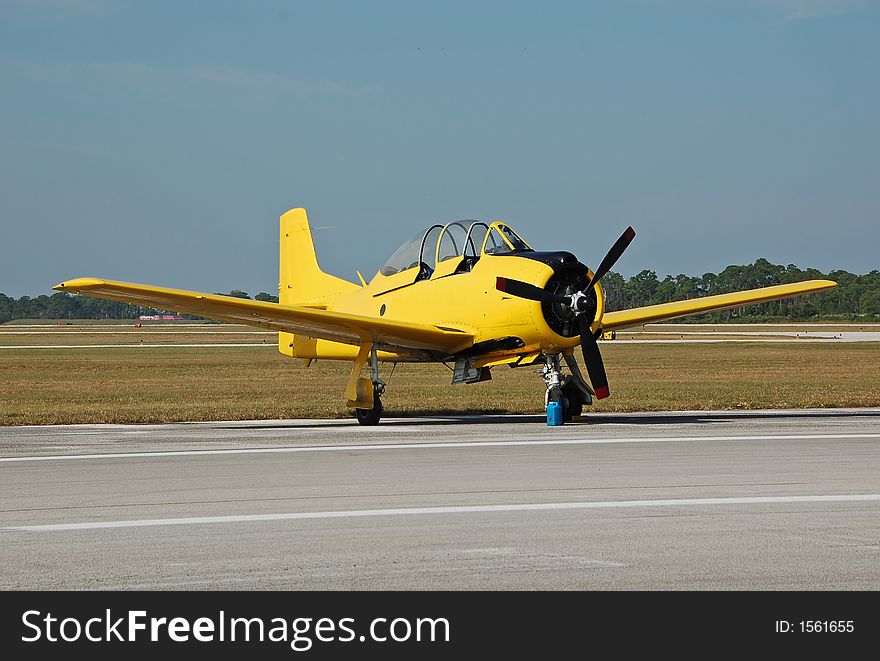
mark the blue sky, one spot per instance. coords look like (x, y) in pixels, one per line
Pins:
(159, 141)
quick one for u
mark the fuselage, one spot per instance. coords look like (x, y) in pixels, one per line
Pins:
(462, 297)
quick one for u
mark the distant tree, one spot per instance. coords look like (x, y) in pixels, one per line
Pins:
(614, 284)
(21, 308)
(871, 303)
(59, 306)
(263, 296)
(856, 297)
(642, 287)
(237, 293)
(6, 305)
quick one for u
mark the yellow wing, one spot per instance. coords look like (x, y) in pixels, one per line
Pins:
(323, 324)
(638, 316)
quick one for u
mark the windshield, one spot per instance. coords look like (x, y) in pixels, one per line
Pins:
(495, 245)
(503, 240)
(513, 238)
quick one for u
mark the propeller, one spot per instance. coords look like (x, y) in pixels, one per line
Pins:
(612, 256)
(579, 303)
(525, 290)
(593, 359)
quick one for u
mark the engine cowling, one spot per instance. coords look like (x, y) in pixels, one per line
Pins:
(565, 281)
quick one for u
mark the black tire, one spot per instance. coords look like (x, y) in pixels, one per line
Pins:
(574, 402)
(370, 417)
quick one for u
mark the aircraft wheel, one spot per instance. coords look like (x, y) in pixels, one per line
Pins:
(370, 417)
(574, 402)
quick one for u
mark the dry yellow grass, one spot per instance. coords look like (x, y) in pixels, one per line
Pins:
(54, 386)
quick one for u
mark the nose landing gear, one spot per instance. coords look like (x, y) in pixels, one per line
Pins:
(570, 391)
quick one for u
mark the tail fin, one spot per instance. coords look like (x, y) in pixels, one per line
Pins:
(300, 280)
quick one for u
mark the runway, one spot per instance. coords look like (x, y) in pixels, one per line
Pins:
(691, 500)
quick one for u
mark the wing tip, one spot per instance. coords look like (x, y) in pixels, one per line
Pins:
(77, 283)
(810, 286)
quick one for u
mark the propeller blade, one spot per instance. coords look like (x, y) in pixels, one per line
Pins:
(613, 255)
(525, 290)
(593, 360)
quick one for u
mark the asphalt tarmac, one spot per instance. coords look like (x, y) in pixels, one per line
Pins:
(772, 500)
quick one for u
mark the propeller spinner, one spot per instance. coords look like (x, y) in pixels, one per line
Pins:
(578, 303)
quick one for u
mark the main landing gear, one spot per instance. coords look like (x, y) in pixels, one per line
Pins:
(570, 391)
(371, 417)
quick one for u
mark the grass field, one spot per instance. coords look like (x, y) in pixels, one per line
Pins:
(143, 384)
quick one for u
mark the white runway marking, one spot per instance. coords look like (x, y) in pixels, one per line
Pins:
(459, 509)
(765, 325)
(132, 344)
(135, 333)
(828, 335)
(873, 337)
(130, 322)
(437, 446)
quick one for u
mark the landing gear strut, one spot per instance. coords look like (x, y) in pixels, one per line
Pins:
(371, 417)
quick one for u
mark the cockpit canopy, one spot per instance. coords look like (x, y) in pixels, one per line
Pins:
(461, 238)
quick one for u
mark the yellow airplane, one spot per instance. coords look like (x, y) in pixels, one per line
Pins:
(469, 293)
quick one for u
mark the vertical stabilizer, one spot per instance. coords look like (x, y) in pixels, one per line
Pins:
(300, 280)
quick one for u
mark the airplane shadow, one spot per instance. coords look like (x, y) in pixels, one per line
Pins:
(414, 418)
(440, 418)
(644, 419)
(720, 416)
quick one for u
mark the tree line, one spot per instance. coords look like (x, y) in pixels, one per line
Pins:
(856, 298)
